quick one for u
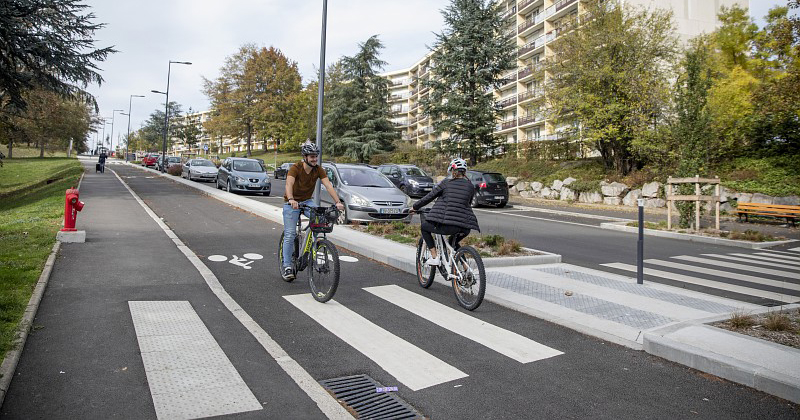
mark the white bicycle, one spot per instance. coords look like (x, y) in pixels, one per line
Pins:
(464, 268)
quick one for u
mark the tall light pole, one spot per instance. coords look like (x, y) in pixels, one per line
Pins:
(103, 140)
(128, 138)
(321, 92)
(113, 113)
(166, 109)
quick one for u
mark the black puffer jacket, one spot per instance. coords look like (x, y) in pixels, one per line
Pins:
(452, 207)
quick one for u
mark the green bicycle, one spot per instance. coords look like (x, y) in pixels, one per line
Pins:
(318, 253)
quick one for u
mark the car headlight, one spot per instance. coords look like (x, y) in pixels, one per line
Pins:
(360, 201)
(240, 179)
(413, 182)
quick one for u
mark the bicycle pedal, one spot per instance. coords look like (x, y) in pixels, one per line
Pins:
(451, 277)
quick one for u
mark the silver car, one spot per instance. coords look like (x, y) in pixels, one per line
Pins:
(243, 175)
(368, 196)
(200, 170)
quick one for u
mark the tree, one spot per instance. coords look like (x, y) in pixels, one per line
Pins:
(611, 75)
(302, 122)
(253, 93)
(469, 57)
(357, 122)
(188, 131)
(152, 130)
(735, 36)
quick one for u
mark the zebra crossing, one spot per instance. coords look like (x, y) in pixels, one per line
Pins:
(766, 274)
(409, 364)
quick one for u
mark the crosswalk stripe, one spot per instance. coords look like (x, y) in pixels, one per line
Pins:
(773, 254)
(726, 274)
(792, 264)
(794, 249)
(725, 264)
(780, 297)
(409, 364)
(513, 345)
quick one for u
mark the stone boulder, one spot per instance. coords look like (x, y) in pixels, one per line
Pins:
(521, 185)
(536, 186)
(527, 194)
(545, 192)
(631, 197)
(557, 185)
(569, 180)
(762, 198)
(611, 201)
(743, 197)
(590, 197)
(511, 180)
(513, 190)
(614, 189)
(650, 190)
(655, 203)
(567, 194)
(791, 200)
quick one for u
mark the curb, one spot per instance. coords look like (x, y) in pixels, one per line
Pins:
(394, 254)
(9, 365)
(694, 238)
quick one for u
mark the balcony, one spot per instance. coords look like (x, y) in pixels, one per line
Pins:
(525, 3)
(512, 100)
(510, 12)
(527, 48)
(530, 118)
(508, 124)
(530, 94)
(530, 23)
(562, 4)
(524, 72)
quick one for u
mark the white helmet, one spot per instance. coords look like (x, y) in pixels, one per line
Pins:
(457, 164)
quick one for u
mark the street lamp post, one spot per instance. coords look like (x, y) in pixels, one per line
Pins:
(128, 138)
(321, 92)
(103, 139)
(166, 108)
(113, 113)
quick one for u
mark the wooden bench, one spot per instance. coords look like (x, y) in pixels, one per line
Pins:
(790, 213)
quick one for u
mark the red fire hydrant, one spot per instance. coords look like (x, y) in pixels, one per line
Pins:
(71, 208)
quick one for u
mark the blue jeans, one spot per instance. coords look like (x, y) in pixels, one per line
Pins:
(290, 217)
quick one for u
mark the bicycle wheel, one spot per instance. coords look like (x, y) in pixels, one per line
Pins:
(425, 273)
(470, 285)
(323, 270)
(280, 257)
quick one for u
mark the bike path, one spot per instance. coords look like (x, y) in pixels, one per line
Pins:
(591, 378)
(83, 358)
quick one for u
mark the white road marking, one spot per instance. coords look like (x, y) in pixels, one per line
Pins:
(780, 297)
(560, 212)
(251, 256)
(774, 254)
(545, 219)
(725, 264)
(726, 274)
(794, 249)
(409, 364)
(511, 344)
(184, 363)
(217, 258)
(241, 262)
(782, 263)
(326, 403)
(348, 258)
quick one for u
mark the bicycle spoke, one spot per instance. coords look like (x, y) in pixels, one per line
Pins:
(323, 270)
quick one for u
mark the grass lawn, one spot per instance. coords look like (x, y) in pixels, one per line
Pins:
(26, 152)
(18, 175)
(268, 156)
(29, 220)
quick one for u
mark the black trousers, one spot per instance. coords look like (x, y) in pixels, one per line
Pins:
(456, 233)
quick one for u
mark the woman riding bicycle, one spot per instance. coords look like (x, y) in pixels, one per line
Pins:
(300, 183)
(451, 214)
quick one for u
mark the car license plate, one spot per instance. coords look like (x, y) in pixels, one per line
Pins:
(253, 185)
(426, 189)
(498, 197)
(390, 211)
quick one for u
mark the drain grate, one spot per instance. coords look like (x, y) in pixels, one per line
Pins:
(360, 394)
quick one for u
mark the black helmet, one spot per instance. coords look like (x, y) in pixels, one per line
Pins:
(309, 149)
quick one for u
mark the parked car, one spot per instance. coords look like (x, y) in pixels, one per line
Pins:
(243, 175)
(200, 170)
(171, 161)
(150, 159)
(490, 188)
(366, 193)
(283, 170)
(409, 178)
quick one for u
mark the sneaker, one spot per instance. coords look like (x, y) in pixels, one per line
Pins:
(288, 273)
(433, 262)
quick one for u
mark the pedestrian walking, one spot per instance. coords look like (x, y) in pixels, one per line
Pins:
(101, 163)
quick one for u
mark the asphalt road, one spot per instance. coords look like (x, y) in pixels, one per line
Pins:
(591, 379)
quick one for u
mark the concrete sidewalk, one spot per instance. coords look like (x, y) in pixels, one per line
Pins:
(666, 321)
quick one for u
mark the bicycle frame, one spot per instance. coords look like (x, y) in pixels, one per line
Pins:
(446, 254)
(307, 238)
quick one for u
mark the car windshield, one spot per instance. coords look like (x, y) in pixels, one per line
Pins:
(493, 178)
(414, 172)
(173, 159)
(247, 166)
(364, 177)
(202, 163)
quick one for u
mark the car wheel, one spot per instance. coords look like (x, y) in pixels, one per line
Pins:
(474, 201)
(266, 194)
(343, 220)
(229, 186)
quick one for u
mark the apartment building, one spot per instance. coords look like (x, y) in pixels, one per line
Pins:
(533, 25)
(224, 145)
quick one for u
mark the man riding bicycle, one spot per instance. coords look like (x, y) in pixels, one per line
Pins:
(451, 214)
(300, 183)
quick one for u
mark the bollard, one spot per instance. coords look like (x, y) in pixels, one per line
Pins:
(640, 245)
(71, 208)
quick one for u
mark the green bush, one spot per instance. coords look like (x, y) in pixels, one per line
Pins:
(775, 175)
(581, 186)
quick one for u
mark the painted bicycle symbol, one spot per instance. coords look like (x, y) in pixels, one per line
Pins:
(244, 261)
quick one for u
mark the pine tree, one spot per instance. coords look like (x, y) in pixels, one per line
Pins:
(357, 120)
(468, 58)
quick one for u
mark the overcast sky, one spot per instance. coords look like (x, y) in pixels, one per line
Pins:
(149, 33)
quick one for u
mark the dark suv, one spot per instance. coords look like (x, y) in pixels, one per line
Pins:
(490, 188)
(410, 179)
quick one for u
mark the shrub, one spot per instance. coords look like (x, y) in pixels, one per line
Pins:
(739, 319)
(581, 186)
(777, 321)
(175, 170)
(493, 240)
